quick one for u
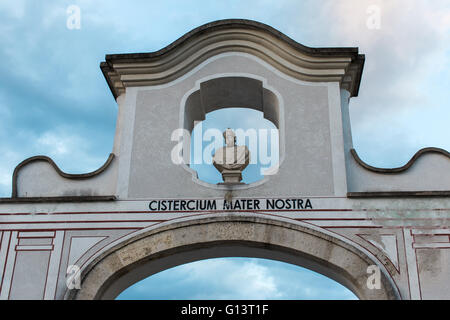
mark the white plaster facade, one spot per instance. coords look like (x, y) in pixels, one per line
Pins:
(396, 219)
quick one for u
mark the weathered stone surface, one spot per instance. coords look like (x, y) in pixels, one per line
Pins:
(325, 254)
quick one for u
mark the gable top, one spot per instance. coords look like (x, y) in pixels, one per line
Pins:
(341, 64)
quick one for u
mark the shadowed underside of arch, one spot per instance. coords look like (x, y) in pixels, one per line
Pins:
(229, 235)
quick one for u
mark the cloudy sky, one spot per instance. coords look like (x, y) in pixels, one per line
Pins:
(240, 278)
(54, 100)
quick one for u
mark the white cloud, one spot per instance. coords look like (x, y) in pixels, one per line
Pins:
(5, 179)
(72, 153)
(407, 61)
(237, 278)
(14, 9)
(54, 16)
(248, 280)
(55, 144)
(8, 161)
(411, 40)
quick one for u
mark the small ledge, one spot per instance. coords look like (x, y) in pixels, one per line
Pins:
(57, 199)
(394, 194)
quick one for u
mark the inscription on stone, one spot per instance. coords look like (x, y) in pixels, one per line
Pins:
(236, 204)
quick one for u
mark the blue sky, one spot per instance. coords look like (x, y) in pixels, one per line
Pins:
(237, 278)
(237, 119)
(54, 100)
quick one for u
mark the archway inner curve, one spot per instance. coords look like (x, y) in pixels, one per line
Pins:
(259, 135)
(229, 235)
(232, 92)
(237, 278)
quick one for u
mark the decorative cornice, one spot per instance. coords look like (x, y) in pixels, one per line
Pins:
(57, 199)
(402, 168)
(343, 65)
(61, 173)
(398, 194)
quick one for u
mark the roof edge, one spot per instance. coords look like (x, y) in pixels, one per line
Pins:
(350, 81)
(403, 168)
(235, 23)
(14, 193)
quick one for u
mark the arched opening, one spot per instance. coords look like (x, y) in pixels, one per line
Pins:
(233, 235)
(252, 130)
(243, 104)
(240, 278)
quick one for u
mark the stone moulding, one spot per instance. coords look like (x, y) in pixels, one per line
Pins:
(59, 171)
(402, 168)
(108, 273)
(57, 199)
(398, 170)
(398, 194)
(343, 65)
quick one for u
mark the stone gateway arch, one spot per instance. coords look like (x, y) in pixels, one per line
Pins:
(381, 232)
